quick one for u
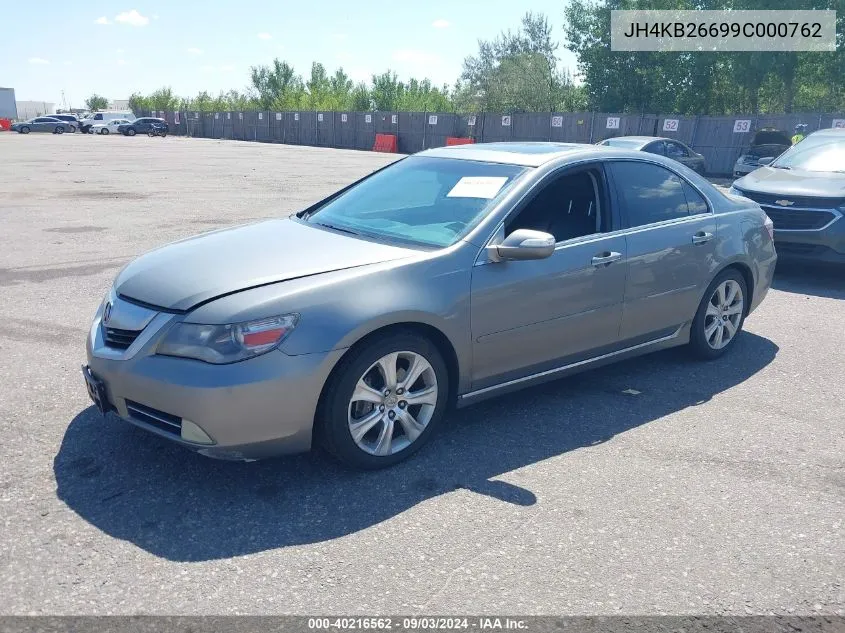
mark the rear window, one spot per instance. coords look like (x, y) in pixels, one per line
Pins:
(623, 142)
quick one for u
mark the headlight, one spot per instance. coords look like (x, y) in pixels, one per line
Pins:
(220, 344)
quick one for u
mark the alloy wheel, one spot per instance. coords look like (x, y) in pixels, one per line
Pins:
(392, 404)
(724, 314)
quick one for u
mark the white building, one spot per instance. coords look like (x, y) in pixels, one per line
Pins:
(30, 109)
(118, 105)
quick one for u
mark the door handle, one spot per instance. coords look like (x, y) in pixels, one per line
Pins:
(603, 259)
(702, 237)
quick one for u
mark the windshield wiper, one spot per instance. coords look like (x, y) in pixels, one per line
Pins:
(336, 228)
(779, 167)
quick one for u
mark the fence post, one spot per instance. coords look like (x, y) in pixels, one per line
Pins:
(592, 125)
(425, 127)
(482, 125)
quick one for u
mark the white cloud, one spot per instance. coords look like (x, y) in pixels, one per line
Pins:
(67, 63)
(121, 62)
(102, 20)
(119, 51)
(195, 51)
(227, 68)
(38, 60)
(265, 36)
(132, 18)
(441, 24)
(155, 16)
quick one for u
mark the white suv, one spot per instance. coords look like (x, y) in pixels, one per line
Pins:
(102, 118)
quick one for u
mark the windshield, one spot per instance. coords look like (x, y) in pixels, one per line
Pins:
(815, 153)
(623, 142)
(430, 201)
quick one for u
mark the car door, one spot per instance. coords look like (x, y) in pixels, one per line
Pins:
(671, 241)
(43, 124)
(142, 126)
(529, 316)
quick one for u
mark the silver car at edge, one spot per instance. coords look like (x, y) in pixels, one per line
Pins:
(445, 278)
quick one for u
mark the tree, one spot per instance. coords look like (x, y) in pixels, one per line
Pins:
(96, 102)
(277, 86)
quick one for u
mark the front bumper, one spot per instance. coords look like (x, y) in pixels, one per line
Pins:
(741, 169)
(248, 410)
(826, 245)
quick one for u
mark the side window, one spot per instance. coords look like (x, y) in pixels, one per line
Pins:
(655, 148)
(674, 150)
(98, 117)
(570, 206)
(41, 120)
(651, 193)
(695, 201)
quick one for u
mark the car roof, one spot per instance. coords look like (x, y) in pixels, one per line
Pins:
(529, 154)
(526, 153)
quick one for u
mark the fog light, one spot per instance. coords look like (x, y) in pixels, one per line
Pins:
(193, 433)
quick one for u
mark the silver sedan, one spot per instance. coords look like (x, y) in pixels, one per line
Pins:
(42, 124)
(450, 276)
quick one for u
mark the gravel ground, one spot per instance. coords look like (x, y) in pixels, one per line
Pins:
(717, 489)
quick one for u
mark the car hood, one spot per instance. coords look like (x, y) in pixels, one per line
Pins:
(183, 274)
(769, 149)
(794, 182)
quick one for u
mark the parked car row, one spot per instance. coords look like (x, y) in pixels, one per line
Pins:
(96, 123)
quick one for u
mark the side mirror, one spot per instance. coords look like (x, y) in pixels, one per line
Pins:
(523, 244)
(765, 161)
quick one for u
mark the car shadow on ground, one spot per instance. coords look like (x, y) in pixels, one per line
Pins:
(184, 507)
(819, 280)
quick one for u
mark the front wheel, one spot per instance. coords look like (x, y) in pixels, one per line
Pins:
(105, 130)
(59, 129)
(720, 315)
(24, 130)
(384, 401)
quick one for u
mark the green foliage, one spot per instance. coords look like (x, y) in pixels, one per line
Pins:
(701, 83)
(96, 102)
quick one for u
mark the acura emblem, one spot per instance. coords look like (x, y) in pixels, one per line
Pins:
(784, 203)
(107, 312)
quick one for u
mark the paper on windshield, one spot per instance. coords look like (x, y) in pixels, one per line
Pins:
(477, 187)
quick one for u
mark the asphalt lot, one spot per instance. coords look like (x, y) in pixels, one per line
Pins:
(718, 489)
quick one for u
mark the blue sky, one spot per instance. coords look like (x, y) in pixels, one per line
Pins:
(116, 49)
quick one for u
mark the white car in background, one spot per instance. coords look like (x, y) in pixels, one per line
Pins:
(109, 127)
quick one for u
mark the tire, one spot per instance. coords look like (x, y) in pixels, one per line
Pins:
(706, 341)
(410, 425)
(24, 130)
(163, 133)
(72, 129)
(130, 132)
(60, 129)
(86, 129)
(105, 130)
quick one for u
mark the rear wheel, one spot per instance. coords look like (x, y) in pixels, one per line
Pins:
(105, 130)
(130, 132)
(720, 315)
(384, 401)
(60, 129)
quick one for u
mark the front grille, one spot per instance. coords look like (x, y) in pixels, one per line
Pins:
(159, 419)
(798, 201)
(798, 219)
(793, 248)
(119, 339)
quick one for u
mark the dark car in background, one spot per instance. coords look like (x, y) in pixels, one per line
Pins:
(767, 142)
(70, 119)
(141, 126)
(803, 192)
(668, 147)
